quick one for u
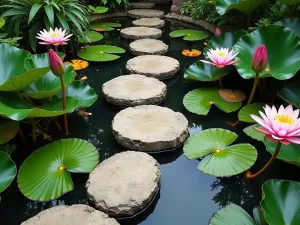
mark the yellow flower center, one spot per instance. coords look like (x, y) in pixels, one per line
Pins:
(287, 119)
(221, 53)
(54, 34)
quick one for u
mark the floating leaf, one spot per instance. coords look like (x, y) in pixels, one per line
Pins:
(8, 171)
(232, 214)
(232, 95)
(44, 175)
(292, 23)
(281, 66)
(105, 26)
(90, 36)
(291, 93)
(245, 6)
(199, 101)
(78, 64)
(251, 132)
(251, 109)
(8, 130)
(219, 159)
(189, 35)
(280, 202)
(2, 22)
(193, 53)
(100, 53)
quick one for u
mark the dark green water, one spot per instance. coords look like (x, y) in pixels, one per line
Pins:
(187, 196)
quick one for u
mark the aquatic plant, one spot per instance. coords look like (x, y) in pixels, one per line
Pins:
(54, 37)
(189, 35)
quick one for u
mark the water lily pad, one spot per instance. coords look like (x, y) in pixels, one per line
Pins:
(90, 36)
(204, 72)
(232, 95)
(292, 23)
(8, 171)
(219, 159)
(232, 214)
(193, 53)
(2, 22)
(199, 101)
(291, 93)
(281, 66)
(49, 84)
(288, 153)
(100, 53)
(245, 6)
(78, 64)
(44, 175)
(189, 35)
(280, 202)
(105, 26)
(82, 92)
(13, 75)
(8, 130)
(247, 110)
(251, 132)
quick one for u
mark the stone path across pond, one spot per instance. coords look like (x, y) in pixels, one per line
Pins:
(149, 22)
(135, 33)
(145, 13)
(142, 5)
(148, 47)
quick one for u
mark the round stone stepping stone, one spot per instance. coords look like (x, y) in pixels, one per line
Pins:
(140, 33)
(132, 90)
(148, 47)
(124, 184)
(157, 66)
(150, 128)
(71, 215)
(149, 22)
(145, 13)
(142, 5)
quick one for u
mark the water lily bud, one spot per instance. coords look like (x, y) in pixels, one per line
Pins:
(260, 59)
(56, 64)
(218, 31)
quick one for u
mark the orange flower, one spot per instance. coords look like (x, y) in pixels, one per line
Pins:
(78, 64)
(193, 53)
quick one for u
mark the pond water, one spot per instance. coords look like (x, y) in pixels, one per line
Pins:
(187, 196)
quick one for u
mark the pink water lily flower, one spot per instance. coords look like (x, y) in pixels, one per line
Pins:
(54, 37)
(221, 57)
(282, 125)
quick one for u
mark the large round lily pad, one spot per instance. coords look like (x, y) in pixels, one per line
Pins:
(251, 109)
(292, 23)
(105, 26)
(8, 130)
(280, 202)
(90, 36)
(253, 133)
(291, 93)
(189, 35)
(281, 66)
(199, 101)
(219, 159)
(100, 53)
(44, 175)
(8, 171)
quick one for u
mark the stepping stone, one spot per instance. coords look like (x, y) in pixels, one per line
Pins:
(124, 184)
(148, 47)
(149, 22)
(142, 5)
(150, 128)
(145, 13)
(132, 90)
(157, 66)
(140, 33)
(75, 215)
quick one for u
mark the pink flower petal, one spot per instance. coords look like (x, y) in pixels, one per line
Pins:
(269, 138)
(293, 139)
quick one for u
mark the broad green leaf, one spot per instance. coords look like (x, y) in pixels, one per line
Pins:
(259, 216)
(8, 130)
(8, 171)
(199, 101)
(232, 214)
(288, 153)
(13, 75)
(280, 202)
(291, 93)
(290, 2)
(219, 159)
(292, 23)
(100, 53)
(251, 132)
(34, 9)
(245, 6)
(82, 92)
(50, 13)
(204, 72)
(281, 66)
(2, 22)
(105, 26)
(251, 109)
(49, 84)
(189, 35)
(99, 9)
(44, 175)
(91, 36)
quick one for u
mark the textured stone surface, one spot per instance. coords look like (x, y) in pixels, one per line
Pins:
(148, 47)
(140, 33)
(124, 184)
(149, 22)
(142, 5)
(132, 90)
(71, 215)
(157, 66)
(145, 13)
(150, 128)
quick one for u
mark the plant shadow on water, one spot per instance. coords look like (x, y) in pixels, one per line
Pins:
(187, 196)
